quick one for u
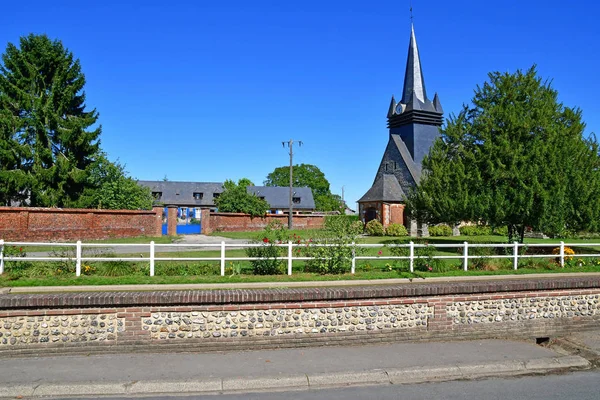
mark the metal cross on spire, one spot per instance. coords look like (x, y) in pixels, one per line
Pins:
(411, 14)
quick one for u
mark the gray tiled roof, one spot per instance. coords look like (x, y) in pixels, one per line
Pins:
(279, 197)
(386, 188)
(182, 193)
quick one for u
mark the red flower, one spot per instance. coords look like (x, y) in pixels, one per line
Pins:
(20, 249)
(379, 253)
(266, 240)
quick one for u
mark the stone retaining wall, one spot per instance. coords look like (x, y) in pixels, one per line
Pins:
(267, 318)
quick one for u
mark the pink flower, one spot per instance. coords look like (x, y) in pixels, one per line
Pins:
(379, 253)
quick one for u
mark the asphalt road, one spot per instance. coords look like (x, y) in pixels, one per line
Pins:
(573, 386)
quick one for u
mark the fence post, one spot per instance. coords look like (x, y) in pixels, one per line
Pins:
(78, 262)
(223, 258)
(412, 256)
(353, 268)
(516, 256)
(466, 256)
(562, 254)
(290, 250)
(152, 258)
(1, 256)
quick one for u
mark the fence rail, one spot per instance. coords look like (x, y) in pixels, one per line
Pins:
(290, 258)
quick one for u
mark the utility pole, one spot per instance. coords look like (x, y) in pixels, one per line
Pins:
(290, 144)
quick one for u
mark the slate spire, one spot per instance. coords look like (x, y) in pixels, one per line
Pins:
(414, 84)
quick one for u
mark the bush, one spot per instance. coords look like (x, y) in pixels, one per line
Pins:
(501, 230)
(335, 258)
(440, 230)
(396, 230)
(475, 230)
(269, 254)
(374, 228)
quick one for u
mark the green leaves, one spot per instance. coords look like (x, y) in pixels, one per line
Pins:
(516, 157)
(235, 198)
(307, 175)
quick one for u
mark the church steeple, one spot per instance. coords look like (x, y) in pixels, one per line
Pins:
(414, 106)
(415, 118)
(414, 84)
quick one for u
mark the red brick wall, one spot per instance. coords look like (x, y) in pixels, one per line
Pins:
(397, 214)
(235, 222)
(54, 224)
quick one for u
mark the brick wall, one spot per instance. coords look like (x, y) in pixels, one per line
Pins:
(54, 224)
(235, 222)
(267, 318)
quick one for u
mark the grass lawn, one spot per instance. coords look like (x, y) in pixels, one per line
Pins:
(372, 274)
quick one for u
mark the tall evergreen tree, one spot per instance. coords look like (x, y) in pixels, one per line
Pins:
(47, 137)
(516, 158)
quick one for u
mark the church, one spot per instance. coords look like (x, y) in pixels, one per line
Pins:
(413, 125)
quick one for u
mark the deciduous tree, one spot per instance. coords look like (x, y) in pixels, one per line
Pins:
(235, 198)
(307, 175)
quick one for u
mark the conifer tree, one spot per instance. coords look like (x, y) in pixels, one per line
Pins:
(516, 157)
(48, 139)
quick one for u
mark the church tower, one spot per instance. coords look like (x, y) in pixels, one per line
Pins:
(413, 124)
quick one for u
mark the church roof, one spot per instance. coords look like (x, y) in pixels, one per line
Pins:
(385, 188)
(414, 84)
(414, 95)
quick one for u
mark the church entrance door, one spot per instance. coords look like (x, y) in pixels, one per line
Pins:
(370, 214)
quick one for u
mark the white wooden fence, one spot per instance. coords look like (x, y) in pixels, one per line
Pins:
(78, 258)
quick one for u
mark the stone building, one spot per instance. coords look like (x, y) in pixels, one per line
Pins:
(413, 125)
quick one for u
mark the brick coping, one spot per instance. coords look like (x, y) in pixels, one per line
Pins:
(284, 295)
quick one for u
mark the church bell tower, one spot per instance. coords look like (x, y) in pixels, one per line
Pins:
(413, 125)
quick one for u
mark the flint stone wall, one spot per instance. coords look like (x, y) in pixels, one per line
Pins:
(269, 318)
(268, 322)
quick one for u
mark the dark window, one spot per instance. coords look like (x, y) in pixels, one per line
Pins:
(262, 197)
(395, 165)
(386, 167)
(296, 200)
(157, 195)
(198, 196)
(215, 195)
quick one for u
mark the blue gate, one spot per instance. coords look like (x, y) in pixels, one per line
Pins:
(187, 223)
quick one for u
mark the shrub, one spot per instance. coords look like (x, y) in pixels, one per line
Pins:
(440, 230)
(374, 228)
(338, 235)
(475, 230)
(396, 230)
(269, 255)
(501, 231)
(15, 269)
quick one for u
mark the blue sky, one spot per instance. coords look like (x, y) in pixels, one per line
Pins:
(208, 90)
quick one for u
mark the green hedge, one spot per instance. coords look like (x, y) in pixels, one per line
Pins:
(475, 230)
(440, 230)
